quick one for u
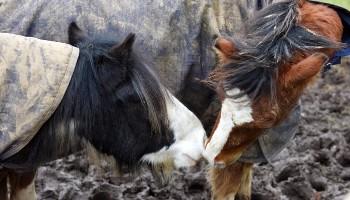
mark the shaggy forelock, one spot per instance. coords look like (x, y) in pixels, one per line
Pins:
(152, 95)
(266, 41)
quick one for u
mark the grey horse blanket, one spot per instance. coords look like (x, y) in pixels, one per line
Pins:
(175, 36)
(34, 75)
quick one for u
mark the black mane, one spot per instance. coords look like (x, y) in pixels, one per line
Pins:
(265, 42)
(114, 102)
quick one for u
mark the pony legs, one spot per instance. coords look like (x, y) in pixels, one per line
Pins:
(245, 191)
(231, 182)
(22, 185)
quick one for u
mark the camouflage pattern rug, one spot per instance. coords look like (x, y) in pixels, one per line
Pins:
(34, 75)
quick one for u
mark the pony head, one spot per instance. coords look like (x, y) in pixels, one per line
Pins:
(264, 69)
(116, 104)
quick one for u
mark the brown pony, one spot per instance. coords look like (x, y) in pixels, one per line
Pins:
(263, 71)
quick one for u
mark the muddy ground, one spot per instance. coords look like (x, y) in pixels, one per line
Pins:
(316, 165)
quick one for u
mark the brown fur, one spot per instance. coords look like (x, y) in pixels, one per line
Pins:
(226, 185)
(293, 78)
(223, 48)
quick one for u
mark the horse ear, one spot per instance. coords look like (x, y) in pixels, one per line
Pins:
(224, 47)
(75, 34)
(125, 47)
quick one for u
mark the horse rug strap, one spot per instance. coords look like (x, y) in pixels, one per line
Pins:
(34, 75)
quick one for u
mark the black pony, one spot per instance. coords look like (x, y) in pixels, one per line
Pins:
(115, 105)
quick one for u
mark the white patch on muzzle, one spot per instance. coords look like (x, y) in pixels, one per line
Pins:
(234, 112)
(189, 137)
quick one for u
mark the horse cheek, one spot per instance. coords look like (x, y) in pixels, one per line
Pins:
(304, 71)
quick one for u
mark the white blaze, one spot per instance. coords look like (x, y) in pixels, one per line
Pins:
(234, 112)
(189, 136)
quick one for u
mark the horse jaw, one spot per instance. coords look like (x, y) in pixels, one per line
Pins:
(189, 137)
(234, 112)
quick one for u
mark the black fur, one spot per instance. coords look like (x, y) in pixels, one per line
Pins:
(113, 102)
(267, 40)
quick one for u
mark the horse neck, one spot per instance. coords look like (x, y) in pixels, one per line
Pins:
(322, 20)
(47, 145)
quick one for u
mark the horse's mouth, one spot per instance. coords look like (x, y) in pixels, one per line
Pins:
(162, 174)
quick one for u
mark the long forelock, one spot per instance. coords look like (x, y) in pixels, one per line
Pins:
(145, 83)
(265, 42)
(153, 96)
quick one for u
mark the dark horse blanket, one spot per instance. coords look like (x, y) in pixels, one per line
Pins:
(176, 36)
(34, 75)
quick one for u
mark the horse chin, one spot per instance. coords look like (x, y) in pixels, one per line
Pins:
(161, 164)
(183, 153)
(162, 173)
(186, 153)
